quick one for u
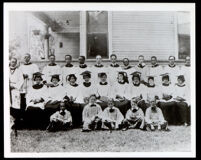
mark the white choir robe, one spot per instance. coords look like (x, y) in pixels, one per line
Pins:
(112, 74)
(144, 72)
(128, 71)
(186, 71)
(136, 91)
(168, 90)
(156, 72)
(120, 89)
(154, 117)
(103, 90)
(95, 71)
(65, 72)
(89, 113)
(36, 94)
(55, 93)
(16, 79)
(48, 71)
(182, 92)
(85, 92)
(78, 71)
(66, 118)
(173, 73)
(151, 92)
(29, 69)
(115, 116)
(72, 91)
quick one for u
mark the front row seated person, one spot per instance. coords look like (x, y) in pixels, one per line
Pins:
(112, 118)
(134, 117)
(154, 118)
(60, 120)
(91, 115)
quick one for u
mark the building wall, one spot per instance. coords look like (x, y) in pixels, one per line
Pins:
(146, 33)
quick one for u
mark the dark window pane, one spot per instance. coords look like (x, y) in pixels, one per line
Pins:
(97, 34)
(184, 46)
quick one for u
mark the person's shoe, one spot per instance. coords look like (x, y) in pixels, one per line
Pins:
(167, 130)
(86, 130)
(124, 129)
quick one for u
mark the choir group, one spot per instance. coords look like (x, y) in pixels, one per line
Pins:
(100, 97)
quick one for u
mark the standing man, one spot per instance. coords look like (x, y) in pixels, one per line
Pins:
(16, 81)
(142, 68)
(51, 69)
(113, 68)
(98, 68)
(155, 70)
(172, 69)
(67, 69)
(28, 69)
(127, 67)
(186, 71)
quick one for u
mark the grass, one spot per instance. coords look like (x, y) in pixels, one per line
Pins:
(177, 140)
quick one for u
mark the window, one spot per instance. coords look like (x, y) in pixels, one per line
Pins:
(97, 34)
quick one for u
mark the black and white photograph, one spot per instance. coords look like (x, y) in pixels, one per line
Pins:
(99, 80)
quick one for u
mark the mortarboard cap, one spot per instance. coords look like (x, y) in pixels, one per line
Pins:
(85, 73)
(136, 74)
(37, 74)
(165, 75)
(122, 72)
(71, 75)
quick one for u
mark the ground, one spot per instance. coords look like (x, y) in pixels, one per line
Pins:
(177, 140)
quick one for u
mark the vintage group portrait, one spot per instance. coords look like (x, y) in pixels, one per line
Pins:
(99, 80)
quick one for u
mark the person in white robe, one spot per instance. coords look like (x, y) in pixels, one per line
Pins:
(55, 94)
(103, 88)
(28, 69)
(137, 89)
(155, 70)
(67, 69)
(60, 120)
(36, 96)
(134, 116)
(182, 99)
(113, 69)
(127, 68)
(98, 68)
(16, 81)
(154, 118)
(86, 88)
(112, 118)
(172, 69)
(82, 67)
(142, 68)
(51, 69)
(152, 89)
(91, 115)
(186, 71)
(166, 99)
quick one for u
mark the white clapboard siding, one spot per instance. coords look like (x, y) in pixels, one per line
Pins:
(148, 33)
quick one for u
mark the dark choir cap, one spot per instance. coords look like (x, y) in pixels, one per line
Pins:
(165, 75)
(102, 74)
(55, 76)
(36, 75)
(86, 73)
(136, 74)
(181, 77)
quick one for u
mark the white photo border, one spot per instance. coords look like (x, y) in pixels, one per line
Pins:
(86, 7)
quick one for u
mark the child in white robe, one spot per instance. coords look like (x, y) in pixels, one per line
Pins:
(91, 115)
(112, 118)
(60, 120)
